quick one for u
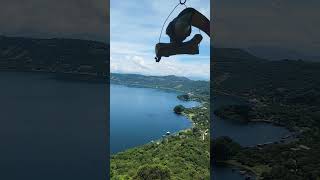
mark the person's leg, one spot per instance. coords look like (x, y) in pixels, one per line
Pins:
(201, 22)
(180, 28)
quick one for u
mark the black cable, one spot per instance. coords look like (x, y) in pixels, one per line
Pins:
(167, 20)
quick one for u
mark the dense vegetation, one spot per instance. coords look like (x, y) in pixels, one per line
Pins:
(153, 172)
(223, 149)
(241, 113)
(184, 97)
(284, 92)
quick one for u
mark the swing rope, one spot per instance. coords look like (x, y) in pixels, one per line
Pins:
(180, 3)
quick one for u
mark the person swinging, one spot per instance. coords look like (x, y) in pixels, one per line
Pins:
(179, 29)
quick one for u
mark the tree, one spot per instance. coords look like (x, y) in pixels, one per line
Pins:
(223, 148)
(155, 172)
(179, 109)
(184, 97)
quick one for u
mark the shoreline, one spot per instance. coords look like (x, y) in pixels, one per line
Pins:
(240, 168)
(159, 140)
(292, 135)
(185, 115)
(163, 138)
(146, 86)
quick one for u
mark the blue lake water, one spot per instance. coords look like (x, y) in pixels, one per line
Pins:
(52, 129)
(140, 115)
(246, 134)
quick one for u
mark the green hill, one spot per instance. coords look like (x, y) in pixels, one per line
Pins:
(176, 83)
(53, 54)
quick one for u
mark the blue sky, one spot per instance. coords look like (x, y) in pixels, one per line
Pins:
(134, 30)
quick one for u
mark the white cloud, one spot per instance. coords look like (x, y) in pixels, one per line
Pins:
(167, 66)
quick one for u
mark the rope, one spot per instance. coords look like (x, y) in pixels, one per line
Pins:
(167, 20)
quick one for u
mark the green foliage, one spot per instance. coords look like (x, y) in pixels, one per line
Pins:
(185, 155)
(155, 172)
(184, 97)
(223, 148)
(178, 109)
(241, 113)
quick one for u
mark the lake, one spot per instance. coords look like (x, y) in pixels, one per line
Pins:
(246, 134)
(51, 127)
(140, 115)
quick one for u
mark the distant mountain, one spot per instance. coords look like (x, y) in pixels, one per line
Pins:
(52, 51)
(71, 56)
(165, 82)
(237, 71)
(275, 53)
(233, 54)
